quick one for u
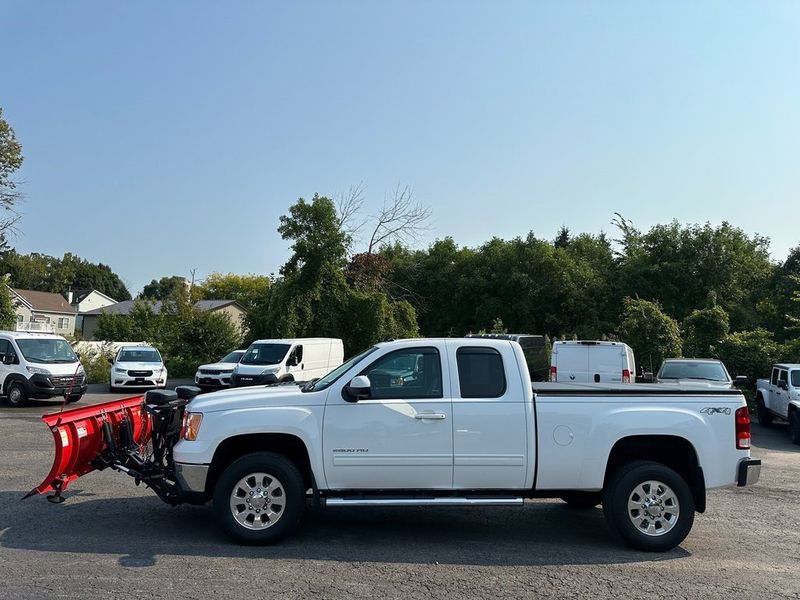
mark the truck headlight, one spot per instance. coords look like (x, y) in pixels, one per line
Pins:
(120, 370)
(191, 426)
(270, 371)
(38, 371)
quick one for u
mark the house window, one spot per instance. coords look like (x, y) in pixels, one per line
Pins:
(63, 322)
(20, 319)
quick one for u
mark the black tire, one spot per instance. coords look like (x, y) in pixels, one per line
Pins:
(276, 467)
(583, 500)
(111, 389)
(74, 398)
(16, 395)
(794, 426)
(764, 416)
(619, 490)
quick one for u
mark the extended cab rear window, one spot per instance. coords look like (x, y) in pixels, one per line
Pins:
(480, 372)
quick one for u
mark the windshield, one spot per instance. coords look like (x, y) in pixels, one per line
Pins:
(330, 378)
(233, 357)
(795, 375)
(706, 371)
(147, 355)
(49, 351)
(265, 354)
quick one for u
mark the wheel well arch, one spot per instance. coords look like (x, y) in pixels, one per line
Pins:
(673, 451)
(288, 445)
(11, 378)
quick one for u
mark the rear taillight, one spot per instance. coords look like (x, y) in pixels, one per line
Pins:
(553, 373)
(742, 428)
(626, 376)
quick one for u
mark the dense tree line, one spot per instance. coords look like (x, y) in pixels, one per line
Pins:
(51, 274)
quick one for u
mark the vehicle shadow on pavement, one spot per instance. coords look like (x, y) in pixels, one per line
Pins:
(775, 437)
(142, 528)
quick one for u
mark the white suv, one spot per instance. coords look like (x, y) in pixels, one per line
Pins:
(39, 365)
(218, 375)
(137, 367)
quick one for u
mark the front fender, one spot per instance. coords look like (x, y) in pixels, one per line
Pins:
(303, 422)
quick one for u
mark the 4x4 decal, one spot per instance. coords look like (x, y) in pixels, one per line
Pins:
(716, 410)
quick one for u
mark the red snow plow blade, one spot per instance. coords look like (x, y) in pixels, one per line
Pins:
(88, 437)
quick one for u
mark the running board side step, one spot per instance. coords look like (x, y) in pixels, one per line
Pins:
(442, 501)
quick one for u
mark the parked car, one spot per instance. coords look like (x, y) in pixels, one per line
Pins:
(706, 371)
(137, 367)
(592, 361)
(779, 396)
(277, 361)
(468, 430)
(218, 375)
(39, 365)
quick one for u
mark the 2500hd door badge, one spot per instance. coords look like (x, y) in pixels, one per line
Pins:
(346, 450)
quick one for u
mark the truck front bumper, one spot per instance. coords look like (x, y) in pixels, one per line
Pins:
(50, 386)
(749, 471)
(191, 478)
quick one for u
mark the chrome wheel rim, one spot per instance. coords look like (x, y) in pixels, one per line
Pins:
(258, 501)
(14, 395)
(653, 508)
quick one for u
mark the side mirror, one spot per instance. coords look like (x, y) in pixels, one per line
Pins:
(358, 388)
(784, 385)
(111, 361)
(648, 377)
(740, 380)
(9, 359)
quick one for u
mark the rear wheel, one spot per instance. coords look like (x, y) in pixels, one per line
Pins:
(764, 416)
(16, 395)
(583, 500)
(259, 498)
(794, 426)
(74, 398)
(649, 505)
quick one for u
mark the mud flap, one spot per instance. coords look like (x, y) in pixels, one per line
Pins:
(89, 438)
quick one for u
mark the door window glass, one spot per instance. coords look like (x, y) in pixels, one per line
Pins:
(409, 373)
(480, 373)
(774, 380)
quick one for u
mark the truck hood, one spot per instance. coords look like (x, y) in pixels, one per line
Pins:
(255, 396)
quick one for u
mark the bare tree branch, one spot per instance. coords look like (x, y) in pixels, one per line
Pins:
(349, 205)
(400, 219)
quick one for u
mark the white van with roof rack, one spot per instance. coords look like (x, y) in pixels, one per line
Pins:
(583, 361)
(39, 365)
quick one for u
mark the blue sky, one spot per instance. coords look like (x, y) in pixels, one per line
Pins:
(161, 137)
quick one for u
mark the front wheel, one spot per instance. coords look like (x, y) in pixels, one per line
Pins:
(794, 426)
(259, 498)
(17, 396)
(74, 398)
(649, 505)
(764, 416)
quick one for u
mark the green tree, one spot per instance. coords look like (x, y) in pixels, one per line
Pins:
(10, 161)
(163, 288)
(247, 290)
(703, 329)
(317, 236)
(651, 333)
(8, 314)
(749, 353)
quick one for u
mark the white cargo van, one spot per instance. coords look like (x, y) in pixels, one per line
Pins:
(592, 362)
(274, 361)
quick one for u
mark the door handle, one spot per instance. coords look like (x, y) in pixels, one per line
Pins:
(430, 415)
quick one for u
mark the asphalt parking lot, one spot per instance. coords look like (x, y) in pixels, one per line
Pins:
(114, 540)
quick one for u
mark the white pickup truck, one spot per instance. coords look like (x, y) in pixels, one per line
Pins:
(780, 396)
(444, 422)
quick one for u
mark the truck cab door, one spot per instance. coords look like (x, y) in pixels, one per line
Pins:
(399, 435)
(782, 393)
(492, 414)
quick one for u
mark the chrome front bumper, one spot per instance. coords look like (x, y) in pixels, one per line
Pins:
(749, 472)
(191, 478)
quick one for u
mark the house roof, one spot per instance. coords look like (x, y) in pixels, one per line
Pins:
(44, 301)
(79, 296)
(124, 307)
